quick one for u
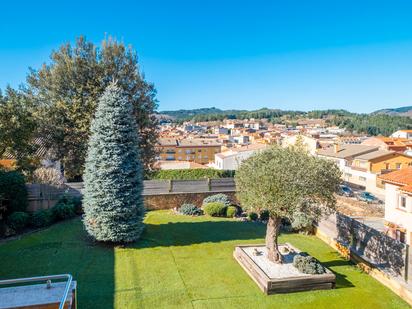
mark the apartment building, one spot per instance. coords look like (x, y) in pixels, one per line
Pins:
(398, 204)
(199, 150)
(403, 134)
(231, 159)
(361, 165)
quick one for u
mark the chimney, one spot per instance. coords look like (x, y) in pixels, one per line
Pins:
(336, 147)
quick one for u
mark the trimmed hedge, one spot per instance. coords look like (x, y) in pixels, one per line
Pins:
(231, 212)
(18, 220)
(215, 209)
(13, 191)
(42, 218)
(187, 174)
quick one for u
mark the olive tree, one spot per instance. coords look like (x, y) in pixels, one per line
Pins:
(284, 182)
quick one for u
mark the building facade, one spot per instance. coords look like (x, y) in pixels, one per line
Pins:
(201, 151)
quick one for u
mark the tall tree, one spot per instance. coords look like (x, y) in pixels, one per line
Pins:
(67, 89)
(18, 127)
(113, 203)
(286, 181)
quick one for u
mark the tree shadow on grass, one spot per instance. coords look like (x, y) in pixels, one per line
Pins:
(190, 233)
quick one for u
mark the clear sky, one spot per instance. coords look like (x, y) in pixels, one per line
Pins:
(299, 55)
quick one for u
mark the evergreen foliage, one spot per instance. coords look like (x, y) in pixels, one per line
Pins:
(13, 192)
(188, 174)
(218, 198)
(113, 203)
(286, 181)
(190, 210)
(66, 91)
(215, 209)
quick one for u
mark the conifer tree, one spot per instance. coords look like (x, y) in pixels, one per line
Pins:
(113, 202)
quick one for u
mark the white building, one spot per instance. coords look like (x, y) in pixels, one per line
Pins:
(398, 204)
(403, 134)
(231, 159)
(310, 144)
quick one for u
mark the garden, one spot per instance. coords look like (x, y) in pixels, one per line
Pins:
(181, 261)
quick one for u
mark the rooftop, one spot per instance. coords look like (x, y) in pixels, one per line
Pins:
(401, 177)
(347, 151)
(375, 155)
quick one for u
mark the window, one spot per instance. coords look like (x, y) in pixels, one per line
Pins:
(361, 178)
(188, 151)
(348, 175)
(402, 202)
(398, 166)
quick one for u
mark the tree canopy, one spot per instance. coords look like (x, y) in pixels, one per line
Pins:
(66, 90)
(286, 181)
(18, 130)
(113, 178)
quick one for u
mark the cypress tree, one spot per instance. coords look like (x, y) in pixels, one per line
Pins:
(113, 203)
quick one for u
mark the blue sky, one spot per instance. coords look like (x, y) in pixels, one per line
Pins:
(298, 55)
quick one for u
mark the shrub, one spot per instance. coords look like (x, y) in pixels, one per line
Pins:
(215, 209)
(308, 264)
(188, 174)
(190, 210)
(218, 198)
(13, 192)
(252, 216)
(18, 220)
(231, 211)
(42, 218)
(302, 222)
(78, 204)
(62, 211)
(264, 215)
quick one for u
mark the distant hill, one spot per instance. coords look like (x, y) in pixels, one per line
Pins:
(400, 111)
(183, 114)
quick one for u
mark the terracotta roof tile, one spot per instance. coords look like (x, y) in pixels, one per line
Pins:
(401, 177)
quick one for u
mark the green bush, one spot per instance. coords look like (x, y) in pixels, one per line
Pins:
(308, 264)
(252, 216)
(215, 209)
(62, 211)
(302, 222)
(42, 218)
(13, 192)
(264, 215)
(188, 174)
(190, 210)
(218, 198)
(231, 211)
(18, 220)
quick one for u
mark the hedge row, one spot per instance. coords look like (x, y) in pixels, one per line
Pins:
(185, 174)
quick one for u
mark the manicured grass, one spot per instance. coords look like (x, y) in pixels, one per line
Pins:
(181, 262)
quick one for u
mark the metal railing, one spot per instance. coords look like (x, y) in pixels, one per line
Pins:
(68, 277)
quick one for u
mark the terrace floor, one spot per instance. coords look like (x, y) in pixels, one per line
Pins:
(181, 262)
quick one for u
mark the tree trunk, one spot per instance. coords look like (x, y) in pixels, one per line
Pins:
(272, 232)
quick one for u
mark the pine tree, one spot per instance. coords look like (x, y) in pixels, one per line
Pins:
(113, 202)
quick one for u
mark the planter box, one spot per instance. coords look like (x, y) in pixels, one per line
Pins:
(279, 278)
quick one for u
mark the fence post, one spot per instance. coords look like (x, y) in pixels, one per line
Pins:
(209, 184)
(170, 185)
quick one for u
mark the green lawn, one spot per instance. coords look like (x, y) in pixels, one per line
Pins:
(181, 262)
